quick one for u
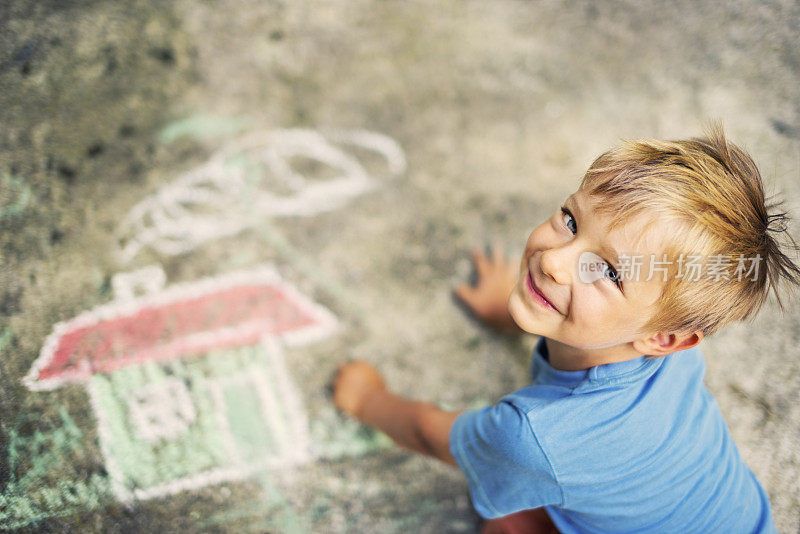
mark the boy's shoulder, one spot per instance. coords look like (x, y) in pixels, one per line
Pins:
(647, 402)
(600, 446)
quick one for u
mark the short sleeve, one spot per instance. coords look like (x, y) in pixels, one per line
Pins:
(505, 466)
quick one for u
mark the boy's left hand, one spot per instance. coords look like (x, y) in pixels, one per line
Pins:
(488, 300)
(353, 383)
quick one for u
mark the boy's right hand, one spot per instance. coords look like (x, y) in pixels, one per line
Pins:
(353, 383)
(488, 300)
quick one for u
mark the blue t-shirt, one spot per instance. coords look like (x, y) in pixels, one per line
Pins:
(633, 446)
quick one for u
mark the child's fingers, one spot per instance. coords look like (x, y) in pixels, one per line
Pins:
(498, 254)
(466, 293)
(470, 297)
(337, 376)
(480, 260)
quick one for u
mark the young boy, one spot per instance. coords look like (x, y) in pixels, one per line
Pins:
(663, 243)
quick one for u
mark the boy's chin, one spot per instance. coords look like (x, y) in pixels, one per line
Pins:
(516, 308)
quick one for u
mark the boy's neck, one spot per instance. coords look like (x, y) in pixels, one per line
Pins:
(568, 358)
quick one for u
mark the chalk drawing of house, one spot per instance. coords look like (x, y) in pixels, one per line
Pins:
(189, 384)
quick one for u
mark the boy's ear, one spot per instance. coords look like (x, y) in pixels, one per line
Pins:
(661, 343)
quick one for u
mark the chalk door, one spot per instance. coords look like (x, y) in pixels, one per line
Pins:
(261, 413)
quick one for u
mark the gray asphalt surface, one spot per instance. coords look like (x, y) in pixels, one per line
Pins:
(498, 109)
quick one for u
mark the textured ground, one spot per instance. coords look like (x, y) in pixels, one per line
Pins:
(498, 108)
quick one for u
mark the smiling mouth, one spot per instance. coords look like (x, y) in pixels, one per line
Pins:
(537, 294)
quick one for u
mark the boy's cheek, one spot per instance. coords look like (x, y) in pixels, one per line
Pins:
(608, 326)
(598, 320)
(586, 307)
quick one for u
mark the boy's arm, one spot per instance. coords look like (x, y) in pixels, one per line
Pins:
(488, 300)
(419, 426)
(422, 427)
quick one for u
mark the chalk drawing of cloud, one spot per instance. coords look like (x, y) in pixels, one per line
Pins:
(259, 175)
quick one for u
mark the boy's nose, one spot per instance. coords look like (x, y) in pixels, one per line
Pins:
(557, 263)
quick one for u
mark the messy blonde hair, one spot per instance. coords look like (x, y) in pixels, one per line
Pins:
(711, 192)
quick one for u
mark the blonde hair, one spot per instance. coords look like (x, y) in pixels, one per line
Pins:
(712, 191)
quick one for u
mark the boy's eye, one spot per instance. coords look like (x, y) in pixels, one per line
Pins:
(611, 273)
(569, 221)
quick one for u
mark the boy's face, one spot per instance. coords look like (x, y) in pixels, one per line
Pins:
(566, 290)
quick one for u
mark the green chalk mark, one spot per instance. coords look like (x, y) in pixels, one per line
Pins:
(10, 187)
(193, 446)
(287, 520)
(270, 512)
(43, 454)
(20, 508)
(151, 373)
(128, 456)
(241, 161)
(190, 448)
(43, 450)
(228, 362)
(266, 515)
(206, 423)
(202, 127)
(252, 436)
(335, 436)
(5, 338)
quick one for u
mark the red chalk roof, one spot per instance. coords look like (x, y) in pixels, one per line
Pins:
(186, 320)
